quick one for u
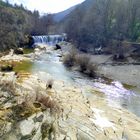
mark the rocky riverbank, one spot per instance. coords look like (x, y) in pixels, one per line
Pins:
(126, 72)
(32, 109)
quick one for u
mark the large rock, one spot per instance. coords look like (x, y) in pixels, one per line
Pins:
(26, 127)
(18, 51)
(78, 117)
(57, 47)
(7, 68)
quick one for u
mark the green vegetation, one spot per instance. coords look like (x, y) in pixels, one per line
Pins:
(16, 22)
(127, 86)
(28, 50)
(92, 24)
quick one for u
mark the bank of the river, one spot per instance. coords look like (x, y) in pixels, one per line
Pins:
(124, 72)
(128, 74)
(32, 110)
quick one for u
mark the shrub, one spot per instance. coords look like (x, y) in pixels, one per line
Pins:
(22, 111)
(92, 68)
(69, 59)
(82, 61)
(49, 83)
(48, 102)
(8, 86)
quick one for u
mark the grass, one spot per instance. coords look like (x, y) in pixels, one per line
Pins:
(127, 86)
(28, 50)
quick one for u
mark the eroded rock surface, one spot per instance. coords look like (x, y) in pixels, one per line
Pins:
(75, 117)
(29, 110)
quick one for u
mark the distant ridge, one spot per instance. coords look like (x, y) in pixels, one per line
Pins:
(61, 15)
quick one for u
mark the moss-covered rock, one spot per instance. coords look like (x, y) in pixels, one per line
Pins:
(7, 68)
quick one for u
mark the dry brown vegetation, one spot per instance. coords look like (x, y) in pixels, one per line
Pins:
(102, 22)
(48, 102)
(8, 86)
(50, 82)
(82, 61)
(69, 59)
(22, 111)
(45, 100)
(27, 102)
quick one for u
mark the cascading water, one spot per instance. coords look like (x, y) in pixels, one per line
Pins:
(49, 39)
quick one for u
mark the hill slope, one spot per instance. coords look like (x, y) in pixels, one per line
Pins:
(98, 23)
(15, 21)
(61, 15)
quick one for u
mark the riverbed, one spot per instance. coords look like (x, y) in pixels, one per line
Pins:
(75, 107)
(114, 92)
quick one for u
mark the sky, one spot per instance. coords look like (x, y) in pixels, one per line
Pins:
(47, 6)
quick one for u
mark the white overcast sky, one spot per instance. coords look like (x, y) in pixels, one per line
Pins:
(47, 6)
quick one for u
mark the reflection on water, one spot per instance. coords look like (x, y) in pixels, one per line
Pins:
(114, 91)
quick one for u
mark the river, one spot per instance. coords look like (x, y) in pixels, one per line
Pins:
(113, 92)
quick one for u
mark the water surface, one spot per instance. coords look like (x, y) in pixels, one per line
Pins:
(115, 93)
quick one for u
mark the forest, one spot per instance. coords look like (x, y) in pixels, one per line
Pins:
(92, 24)
(16, 22)
(103, 23)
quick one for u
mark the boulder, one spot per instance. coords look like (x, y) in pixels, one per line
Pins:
(7, 68)
(18, 51)
(26, 127)
(57, 47)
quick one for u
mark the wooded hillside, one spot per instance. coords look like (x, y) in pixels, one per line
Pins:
(16, 22)
(97, 23)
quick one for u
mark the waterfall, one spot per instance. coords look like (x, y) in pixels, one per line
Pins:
(49, 39)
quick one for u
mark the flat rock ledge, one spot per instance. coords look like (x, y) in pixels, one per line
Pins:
(30, 111)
